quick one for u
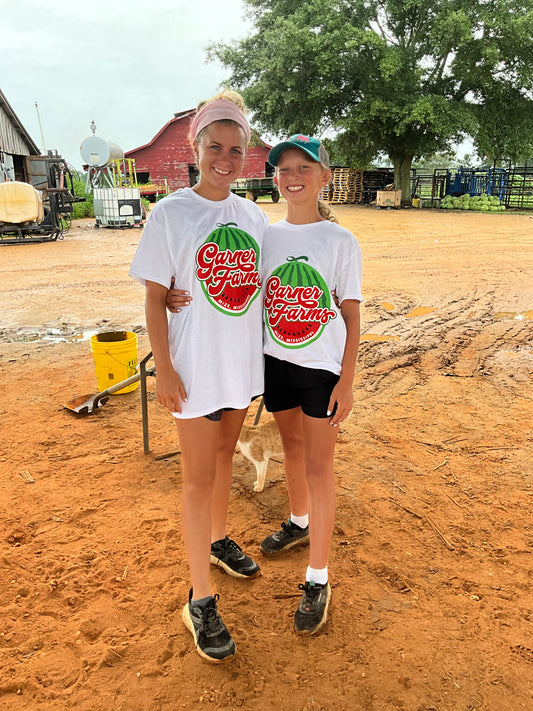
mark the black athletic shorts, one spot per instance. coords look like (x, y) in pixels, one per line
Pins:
(216, 416)
(288, 385)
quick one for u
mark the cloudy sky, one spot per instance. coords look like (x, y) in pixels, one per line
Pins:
(127, 64)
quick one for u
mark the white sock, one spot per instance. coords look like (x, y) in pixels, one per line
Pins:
(301, 521)
(314, 575)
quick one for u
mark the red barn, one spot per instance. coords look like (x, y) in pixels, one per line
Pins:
(169, 155)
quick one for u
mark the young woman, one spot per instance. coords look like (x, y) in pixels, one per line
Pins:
(310, 347)
(208, 356)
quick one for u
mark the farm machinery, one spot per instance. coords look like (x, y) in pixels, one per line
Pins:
(38, 210)
(252, 188)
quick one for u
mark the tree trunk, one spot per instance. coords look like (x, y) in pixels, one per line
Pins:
(402, 176)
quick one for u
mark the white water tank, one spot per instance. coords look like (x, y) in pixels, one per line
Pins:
(99, 153)
(19, 203)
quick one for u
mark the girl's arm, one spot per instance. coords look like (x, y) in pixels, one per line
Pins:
(342, 392)
(169, 388)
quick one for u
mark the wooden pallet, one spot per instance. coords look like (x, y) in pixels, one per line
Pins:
(325, 193)
(343, 197)
(346, 186)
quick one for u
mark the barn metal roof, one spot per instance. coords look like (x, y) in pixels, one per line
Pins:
(14, 138)
(177, 117)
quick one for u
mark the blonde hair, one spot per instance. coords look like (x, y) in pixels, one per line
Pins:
(324, 209)
(326, 212)
(228, 94)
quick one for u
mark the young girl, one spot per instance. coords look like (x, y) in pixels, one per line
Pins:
(208, 357)
(310, 347)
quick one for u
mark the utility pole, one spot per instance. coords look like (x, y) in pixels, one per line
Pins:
(41, 128)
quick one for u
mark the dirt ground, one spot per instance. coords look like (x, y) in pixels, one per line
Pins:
(431, 563)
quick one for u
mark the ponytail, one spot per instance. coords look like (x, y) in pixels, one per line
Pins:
(326, 212)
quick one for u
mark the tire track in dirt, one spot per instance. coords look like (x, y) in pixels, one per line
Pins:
(460, 338)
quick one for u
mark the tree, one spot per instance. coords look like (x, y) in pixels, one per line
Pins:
(403, 77)
(501, 138)
(427, 164)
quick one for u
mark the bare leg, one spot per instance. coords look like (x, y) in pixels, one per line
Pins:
(319, 439)
(290, 426)
(198, 440)
(230, 428)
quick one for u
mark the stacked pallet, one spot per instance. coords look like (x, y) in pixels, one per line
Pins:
(374, 180)
(357, 185)
(325, 193)
(346, 186)
(340, 178)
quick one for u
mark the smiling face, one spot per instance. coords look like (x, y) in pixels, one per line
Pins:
(220, 157)
(299, 177)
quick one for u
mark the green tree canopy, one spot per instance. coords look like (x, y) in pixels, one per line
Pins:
(402, 77)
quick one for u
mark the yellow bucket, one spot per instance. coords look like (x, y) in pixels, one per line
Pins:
(115, 359)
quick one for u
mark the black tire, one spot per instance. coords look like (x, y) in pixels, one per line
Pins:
(250, 195)
(275, 196)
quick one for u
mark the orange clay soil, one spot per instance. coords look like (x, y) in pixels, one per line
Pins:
(431, 561)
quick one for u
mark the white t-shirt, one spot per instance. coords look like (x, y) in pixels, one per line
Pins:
(213, 250)
(301, 265)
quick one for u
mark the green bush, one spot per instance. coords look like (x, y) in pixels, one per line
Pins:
(82, 209)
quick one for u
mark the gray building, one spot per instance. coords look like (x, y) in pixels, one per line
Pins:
(16, 145)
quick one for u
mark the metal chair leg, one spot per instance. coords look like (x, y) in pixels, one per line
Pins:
(259, 411)
(144, 403)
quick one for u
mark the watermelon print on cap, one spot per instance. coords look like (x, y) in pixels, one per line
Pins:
(297, 303)
(227, 267)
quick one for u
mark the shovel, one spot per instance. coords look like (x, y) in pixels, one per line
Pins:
(86, 404)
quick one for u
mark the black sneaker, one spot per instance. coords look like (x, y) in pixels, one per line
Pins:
(312, 611)
(212, 640)
(229, 556)
(283, 540)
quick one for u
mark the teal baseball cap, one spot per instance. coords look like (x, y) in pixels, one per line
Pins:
(312, 146)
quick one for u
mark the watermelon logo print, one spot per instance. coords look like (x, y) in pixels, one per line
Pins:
(297, 304)
(226, 266)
